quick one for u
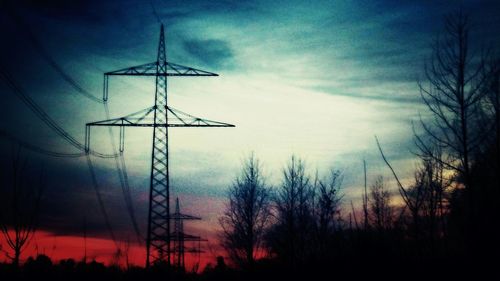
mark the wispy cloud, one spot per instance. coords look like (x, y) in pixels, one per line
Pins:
(213, 52)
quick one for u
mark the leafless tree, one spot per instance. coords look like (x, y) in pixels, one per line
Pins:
(352, 216)
(365, 199)
(380, 205)
(430, 190)
(491, 105)
(453, 93)
(293, 231)
(436, 197)
(328, 206)
(485, 171)
(247, 214)
(19, 203)
(412, 198)
(461, 85)
(425, 199)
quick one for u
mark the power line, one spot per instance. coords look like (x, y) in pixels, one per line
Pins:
(38, 149)
(124, 182)
(66, 136)
(100, 201)
(154, 12)
(42, 115)
(46, 55)
(122, 173)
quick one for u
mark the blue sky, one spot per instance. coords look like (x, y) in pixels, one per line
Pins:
(316, 79)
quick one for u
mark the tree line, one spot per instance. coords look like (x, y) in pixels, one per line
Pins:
(449, 210)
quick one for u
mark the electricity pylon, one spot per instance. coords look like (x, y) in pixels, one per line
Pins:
(180, 237)
(160, 117)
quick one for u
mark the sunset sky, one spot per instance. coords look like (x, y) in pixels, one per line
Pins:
(315, 79)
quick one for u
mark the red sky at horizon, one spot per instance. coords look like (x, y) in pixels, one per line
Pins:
(59, 247)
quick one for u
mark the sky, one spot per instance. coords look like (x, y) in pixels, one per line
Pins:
(315, 79)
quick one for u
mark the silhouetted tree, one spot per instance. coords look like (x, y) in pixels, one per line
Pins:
(424, 199)
(412, 196)
(435, 196)
(493, 99)
(247, 214)
(380, 205)
(484, 173)
(365, 199)
(429, 191)
(291, 235)
(328, 203)
(19, 208)
(459, 86)
(453, 95)
(491, 108)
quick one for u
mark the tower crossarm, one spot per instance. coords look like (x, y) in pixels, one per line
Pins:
(187, 237)
(128, 120)
(194, 250)
(150, 69)
(177, 216)
(183, 237)
(145, 118)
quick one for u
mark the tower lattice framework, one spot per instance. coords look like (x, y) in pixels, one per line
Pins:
(180, 237)
(160, 117)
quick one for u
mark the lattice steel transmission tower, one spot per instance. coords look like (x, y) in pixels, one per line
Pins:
(160, 117)
(180, 237)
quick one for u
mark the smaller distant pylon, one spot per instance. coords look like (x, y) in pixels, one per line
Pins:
(179, 237)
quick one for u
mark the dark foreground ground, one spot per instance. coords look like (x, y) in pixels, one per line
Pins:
(368, 268)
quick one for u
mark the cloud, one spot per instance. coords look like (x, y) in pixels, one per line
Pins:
(213, 52)
(391, 97)
(271, 53)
